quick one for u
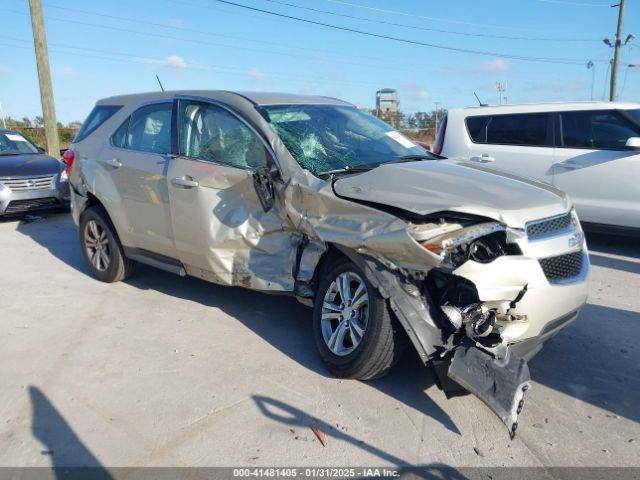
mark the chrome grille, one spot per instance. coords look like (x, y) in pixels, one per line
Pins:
(548, 226)
(563, 267)
(28, 184)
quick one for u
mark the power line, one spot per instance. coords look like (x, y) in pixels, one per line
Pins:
(191, 40)
(624, 83)
(438, 30)
(141, 60)
(433, 19)
(566, 61)
(576, 4)
(186, 29)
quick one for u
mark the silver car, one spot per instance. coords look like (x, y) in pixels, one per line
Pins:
(311, 197)
(30, 180)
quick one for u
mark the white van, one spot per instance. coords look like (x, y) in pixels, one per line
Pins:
(590, 150)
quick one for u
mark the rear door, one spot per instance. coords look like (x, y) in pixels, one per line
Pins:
(221, 231)
(517, 143)
(137, 159)
(592, 165)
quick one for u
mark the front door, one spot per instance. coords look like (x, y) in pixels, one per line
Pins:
(221, 231)
(592, 165)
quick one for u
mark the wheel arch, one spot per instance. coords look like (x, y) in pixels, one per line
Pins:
(413, 313)
(92, 200)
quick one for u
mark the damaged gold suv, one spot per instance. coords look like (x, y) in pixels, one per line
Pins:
(310, 196)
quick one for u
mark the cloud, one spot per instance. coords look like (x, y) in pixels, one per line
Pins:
(257, 75)
(306, 89)
(493, 66)
(413, 96)
(64, 71)
(172, 62)
(413, 92)
(497, 65)
(558, 87)
(176, 23)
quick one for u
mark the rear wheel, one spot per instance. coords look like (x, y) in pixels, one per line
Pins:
(101, 248)
(355, 333)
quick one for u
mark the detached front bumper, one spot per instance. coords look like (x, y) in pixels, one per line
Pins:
(19, 196)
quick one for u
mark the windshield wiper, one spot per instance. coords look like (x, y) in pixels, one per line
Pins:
(348, 169)
(416, 157)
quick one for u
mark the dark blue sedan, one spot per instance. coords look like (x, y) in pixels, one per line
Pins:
(29, 179)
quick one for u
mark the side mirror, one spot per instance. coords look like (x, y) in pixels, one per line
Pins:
(633, 143)
(263, 184)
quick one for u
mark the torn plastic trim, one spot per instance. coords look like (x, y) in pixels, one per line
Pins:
(500, 384)
(454, 241)
(414, 312)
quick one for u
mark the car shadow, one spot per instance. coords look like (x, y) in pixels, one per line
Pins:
(70, 458)
(601, 247)
(57, 234)
(286, 324)
(596, 360)
(293, 417)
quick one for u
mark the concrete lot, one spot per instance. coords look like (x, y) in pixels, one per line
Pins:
(170, 371)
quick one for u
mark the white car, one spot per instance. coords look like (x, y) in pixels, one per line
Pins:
(590, 150)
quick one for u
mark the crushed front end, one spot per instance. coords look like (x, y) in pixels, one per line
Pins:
(499, 293)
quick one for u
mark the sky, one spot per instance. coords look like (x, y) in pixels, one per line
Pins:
(434, 51)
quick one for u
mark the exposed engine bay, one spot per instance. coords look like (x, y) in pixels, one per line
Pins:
(473, 345)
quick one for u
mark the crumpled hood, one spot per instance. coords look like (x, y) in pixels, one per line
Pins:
(426, 187)
(29, 165)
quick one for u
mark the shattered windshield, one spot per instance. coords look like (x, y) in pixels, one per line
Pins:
(329, 137)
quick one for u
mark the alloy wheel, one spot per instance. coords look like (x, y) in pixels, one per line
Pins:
(345, 313)
(97, 245)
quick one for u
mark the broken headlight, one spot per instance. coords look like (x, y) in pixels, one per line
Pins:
(482, 243)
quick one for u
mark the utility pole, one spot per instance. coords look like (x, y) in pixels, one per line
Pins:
(592, 66)
(613, 94)
(501, 87)
(4, 122)
(436, 129)
(44, 78)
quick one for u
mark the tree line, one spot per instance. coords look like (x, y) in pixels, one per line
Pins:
(33, 129)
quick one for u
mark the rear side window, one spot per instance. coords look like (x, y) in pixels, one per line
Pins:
(149, 129)
(477, 127)
(99, 115)
(120, 136)
(596, 129)
(528, 129)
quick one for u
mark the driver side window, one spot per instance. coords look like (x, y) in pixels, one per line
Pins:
(211, 133)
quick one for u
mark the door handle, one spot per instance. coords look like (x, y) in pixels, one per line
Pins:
(484, 158)
(113, 163)
(568, 165)
(185, 182)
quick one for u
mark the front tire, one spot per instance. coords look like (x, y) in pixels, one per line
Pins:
(355, 333)
(101, 247)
